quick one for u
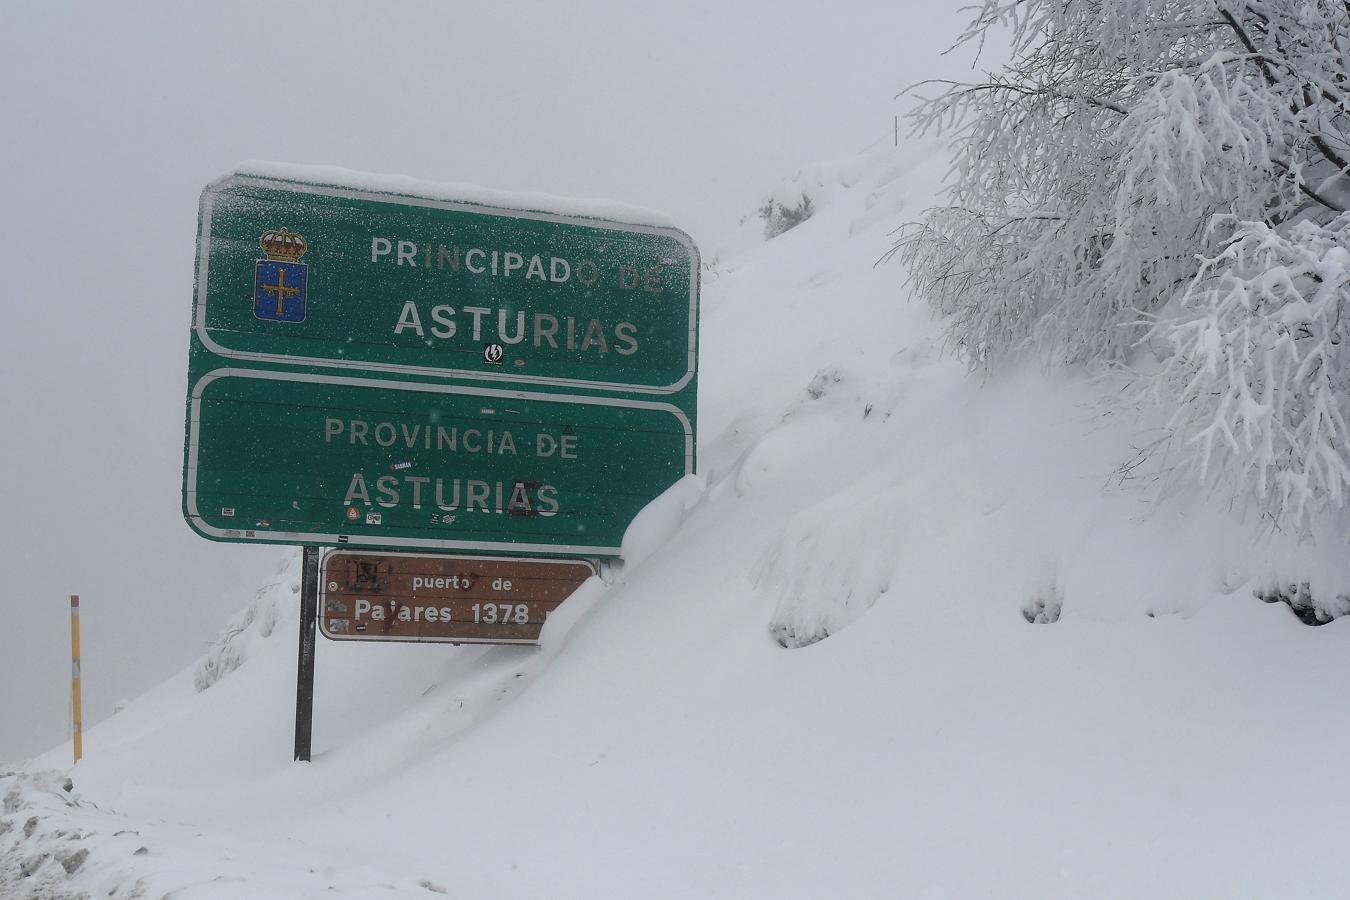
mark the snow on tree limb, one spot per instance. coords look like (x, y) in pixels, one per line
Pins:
(1163, 177)
(1260, 373)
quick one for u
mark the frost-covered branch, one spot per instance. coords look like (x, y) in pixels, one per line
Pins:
(1260, 372)
(1165, 179)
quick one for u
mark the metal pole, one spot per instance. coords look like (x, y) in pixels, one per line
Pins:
(76, 714)
(304, 677)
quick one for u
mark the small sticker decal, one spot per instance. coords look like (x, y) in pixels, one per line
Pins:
(493, 353)
(227, 512)
(353, 514)
(374, 518)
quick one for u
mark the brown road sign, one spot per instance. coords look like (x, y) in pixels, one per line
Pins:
(439, 598)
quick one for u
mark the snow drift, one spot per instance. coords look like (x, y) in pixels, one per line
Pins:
(907, 633)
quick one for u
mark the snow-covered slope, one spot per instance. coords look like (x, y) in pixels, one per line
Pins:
(903, 636)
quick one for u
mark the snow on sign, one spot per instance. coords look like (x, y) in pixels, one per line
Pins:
(441, 598)
(383, 363)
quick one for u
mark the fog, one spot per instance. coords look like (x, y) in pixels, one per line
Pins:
(114, 116)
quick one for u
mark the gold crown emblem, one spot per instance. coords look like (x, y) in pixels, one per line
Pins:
(283, 246)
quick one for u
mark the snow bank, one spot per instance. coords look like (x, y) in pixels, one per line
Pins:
(54, 845)
(255, 623)
(1012, 669)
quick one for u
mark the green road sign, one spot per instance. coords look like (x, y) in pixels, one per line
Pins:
(417, 371)
(317, 459)
(370, 282)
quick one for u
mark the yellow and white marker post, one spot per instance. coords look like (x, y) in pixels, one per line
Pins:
(77, 727)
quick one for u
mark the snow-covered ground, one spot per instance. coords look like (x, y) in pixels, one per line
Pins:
(906, 634)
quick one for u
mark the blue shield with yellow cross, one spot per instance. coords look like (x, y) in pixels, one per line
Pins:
(280, 281)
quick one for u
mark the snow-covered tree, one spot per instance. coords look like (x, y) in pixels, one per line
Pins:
(1162, 186)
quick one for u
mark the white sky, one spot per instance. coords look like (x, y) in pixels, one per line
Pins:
(114, 116)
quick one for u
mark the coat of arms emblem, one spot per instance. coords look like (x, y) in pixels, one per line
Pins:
(279, 281)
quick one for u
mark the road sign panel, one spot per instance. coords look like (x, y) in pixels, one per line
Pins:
(413, 285)
(285, 457)
(440, 598)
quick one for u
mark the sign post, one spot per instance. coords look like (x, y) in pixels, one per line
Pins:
(378, 364)
(304, 676)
